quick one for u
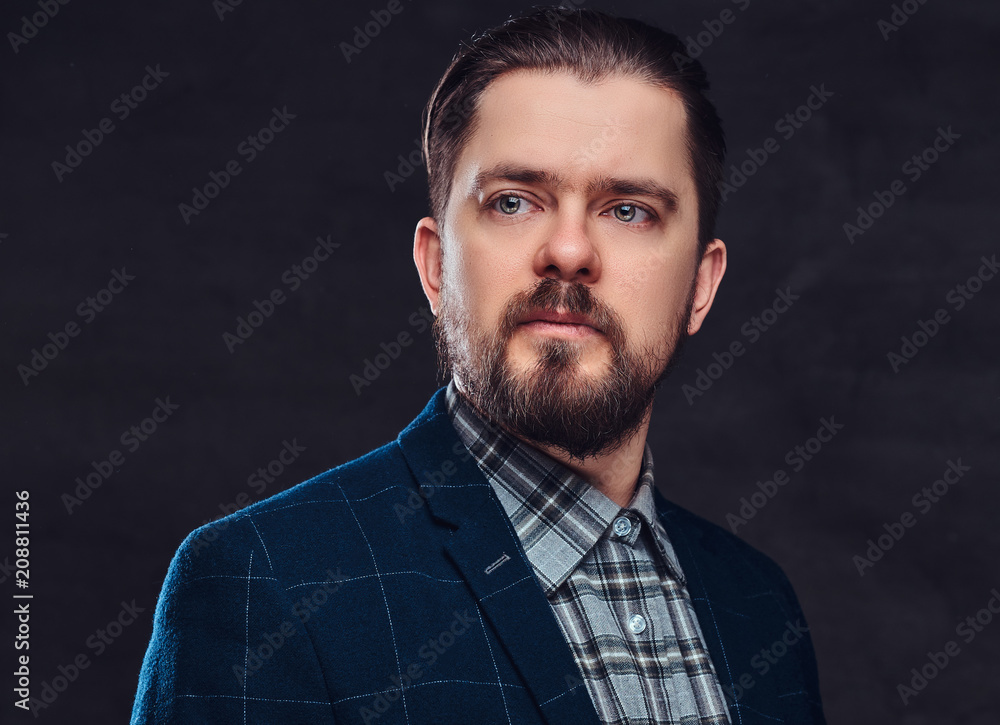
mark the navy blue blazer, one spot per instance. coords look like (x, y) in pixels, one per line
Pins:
(393, 589)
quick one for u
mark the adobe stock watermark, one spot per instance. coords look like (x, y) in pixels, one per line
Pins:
(269, 473)
(221, 7)
(696, 45)
(427, 656)
(6, 569)
(87, 310)
(752, 330)
(414, 160)
(901, 13)
(913, 168)
(304, 608)
(927, 329)
(372, 368)
(923, 501)
(99, 642)
(763, 661)
(429, 482)
(292, 278)
(364, 35)
(132, 438)
(248, 149)
(787, 126)
(610, 133)
(967, 629)
(38, 20)
(122, 108)
(796, 458)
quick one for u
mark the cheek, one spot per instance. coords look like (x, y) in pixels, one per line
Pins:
(652, 294)
(480, 279)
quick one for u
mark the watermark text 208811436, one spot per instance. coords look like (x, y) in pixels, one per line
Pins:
(22, 540)
(22, 608)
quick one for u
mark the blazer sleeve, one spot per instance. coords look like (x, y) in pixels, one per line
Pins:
(228, 643)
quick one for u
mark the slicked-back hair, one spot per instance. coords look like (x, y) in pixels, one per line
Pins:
(593, 46)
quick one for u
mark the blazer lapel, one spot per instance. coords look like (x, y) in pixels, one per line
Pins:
(486, 552)
(731, 608)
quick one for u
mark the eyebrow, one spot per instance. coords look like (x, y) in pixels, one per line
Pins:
(635, 187)
(606, 184)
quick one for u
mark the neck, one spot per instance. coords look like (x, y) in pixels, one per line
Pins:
(614, 473)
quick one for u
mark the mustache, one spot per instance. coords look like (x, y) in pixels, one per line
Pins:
(552, 295)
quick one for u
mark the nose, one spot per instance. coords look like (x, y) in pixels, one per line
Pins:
(568, 251)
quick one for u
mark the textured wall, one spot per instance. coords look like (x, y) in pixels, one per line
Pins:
(75, 229)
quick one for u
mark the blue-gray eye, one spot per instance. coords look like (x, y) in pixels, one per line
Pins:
(625, 212)
(509, 204)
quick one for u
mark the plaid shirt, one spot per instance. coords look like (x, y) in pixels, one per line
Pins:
(610, 575)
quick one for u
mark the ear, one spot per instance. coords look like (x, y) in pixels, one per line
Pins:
(427, 257)
(707, 279)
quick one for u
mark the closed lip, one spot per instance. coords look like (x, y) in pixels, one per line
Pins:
(564, 318)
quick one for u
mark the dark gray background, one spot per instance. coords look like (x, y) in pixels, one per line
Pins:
(324, 174)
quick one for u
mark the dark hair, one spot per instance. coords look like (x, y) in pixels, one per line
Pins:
(592, 45)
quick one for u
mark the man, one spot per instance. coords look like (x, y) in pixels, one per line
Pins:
(507, 558)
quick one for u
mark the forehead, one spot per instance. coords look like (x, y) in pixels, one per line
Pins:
(620, 127)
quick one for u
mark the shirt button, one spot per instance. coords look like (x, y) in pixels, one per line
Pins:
(637, 623)
(622, 526)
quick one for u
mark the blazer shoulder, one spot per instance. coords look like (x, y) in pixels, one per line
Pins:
(700, 534)
(294, 510)
(357, 478)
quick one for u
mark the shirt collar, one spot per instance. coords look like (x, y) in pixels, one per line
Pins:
(556, 514)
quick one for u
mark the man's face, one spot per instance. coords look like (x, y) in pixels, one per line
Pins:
(568, 257)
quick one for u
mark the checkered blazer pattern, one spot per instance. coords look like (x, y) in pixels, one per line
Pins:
(393, 589)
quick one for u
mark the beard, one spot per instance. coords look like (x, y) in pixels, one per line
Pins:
(555, 402)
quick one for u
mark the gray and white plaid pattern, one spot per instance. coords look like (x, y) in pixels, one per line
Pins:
(611, 576)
